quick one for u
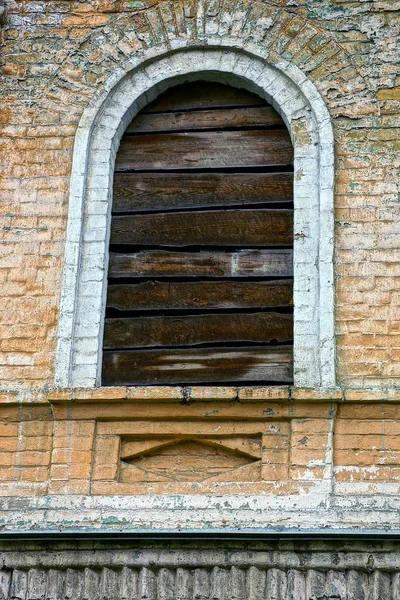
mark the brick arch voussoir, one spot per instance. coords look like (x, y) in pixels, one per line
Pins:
(281, 37)
(286, 38)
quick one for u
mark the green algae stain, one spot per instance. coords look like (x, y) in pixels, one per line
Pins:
(137, 4)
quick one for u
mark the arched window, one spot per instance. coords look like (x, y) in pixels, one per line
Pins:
(201, 247)
(84, 289)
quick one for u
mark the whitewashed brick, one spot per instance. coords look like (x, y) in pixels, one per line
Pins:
(290, 92)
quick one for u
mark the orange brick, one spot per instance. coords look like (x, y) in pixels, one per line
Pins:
(154, 393)
(40, 116)
(33, 474)
(73, 429)
(274, 472)
(367, 441)
(264, 393)
(367, 427)
(360, 411)
(69, 471)
(8, 429)
(36, 428)
(104, 472)
(310, 441)
(8, 473)
(61, 456)
(307, 457)
(8, 444)
(367, 457)
(308, 426)
(7, 459)
(41, 443)
(275, 442)
(32, 459)
(73, 443)
(275, 457)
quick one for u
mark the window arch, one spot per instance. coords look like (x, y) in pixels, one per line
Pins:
(84, 287)
(201, 259)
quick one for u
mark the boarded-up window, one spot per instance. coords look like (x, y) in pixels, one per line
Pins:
(200, 274)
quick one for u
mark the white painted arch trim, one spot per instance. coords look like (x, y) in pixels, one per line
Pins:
(82, 304)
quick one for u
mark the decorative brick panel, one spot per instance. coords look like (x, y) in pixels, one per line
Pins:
(72, 459)
(170, 456)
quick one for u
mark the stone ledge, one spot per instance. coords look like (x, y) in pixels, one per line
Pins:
(188, 394)
(378, 509)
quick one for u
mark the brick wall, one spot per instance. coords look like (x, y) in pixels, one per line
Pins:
(55, 59)
(240, 458)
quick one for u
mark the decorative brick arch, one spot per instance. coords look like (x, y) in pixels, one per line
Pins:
(267, 30)
(85, 272)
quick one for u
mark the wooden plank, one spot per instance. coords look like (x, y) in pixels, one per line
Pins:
(205, 119)
(244, 263)
(152, 295)
(218, 149)
(202, 94)
(220, 227)
(157, 191)
(155, 367)
(142, 332)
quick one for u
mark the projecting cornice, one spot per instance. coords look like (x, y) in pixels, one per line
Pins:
(133, 570)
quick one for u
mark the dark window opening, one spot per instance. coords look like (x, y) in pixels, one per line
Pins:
(200, 287)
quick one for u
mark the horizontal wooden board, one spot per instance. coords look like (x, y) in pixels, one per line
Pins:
(220, 365)
(152, 295)
(158, 191)
(218, 149)
(205, 119)
(244, 263)
(202, 94)
(220, 227)
(142, 332)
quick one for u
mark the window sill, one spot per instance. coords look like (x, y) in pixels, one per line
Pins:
(188, 395)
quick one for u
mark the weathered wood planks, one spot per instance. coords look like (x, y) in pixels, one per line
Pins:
(167, 295)
(244, 263)
(200, 95)
(141, 332)
(222, 228)
(201, 150)
(202, 220)
(162, 191)
(263, 116)
(221, 365)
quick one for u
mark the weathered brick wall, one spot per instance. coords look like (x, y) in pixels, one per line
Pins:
(55, 58)
(316, 459)
(213, 569)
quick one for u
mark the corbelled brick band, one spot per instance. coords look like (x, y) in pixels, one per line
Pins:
(285, 571)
